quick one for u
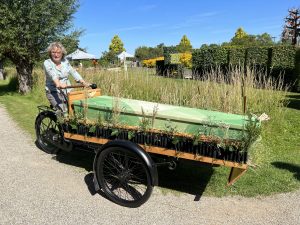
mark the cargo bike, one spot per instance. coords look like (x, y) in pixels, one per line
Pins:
(128, 136)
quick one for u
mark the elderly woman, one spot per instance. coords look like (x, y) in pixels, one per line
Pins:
(57, 70)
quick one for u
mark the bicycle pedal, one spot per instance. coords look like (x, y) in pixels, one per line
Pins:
(55, 137)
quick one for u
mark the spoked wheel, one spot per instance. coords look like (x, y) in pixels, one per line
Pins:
(124, 177)
(48, 133)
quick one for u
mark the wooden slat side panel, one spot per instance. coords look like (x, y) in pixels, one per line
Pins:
(190, 156)
(73, 93)
(164, 151)
(83, 138)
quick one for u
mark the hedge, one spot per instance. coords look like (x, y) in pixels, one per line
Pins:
(257, 56)
(283, 57)
(236, 56)
(207, 57)
(275, 60)
(279, 59)
(297, 70)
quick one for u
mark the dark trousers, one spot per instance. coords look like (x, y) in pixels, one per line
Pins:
(57, 100)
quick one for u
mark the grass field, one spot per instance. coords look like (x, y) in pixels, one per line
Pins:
(275, 159)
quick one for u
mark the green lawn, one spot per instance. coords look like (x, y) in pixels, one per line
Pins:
(277, 155)
(23, 109)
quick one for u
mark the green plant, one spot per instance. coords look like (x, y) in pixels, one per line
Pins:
(222, 143)
(116, 111)
(74, 119)
(154, 113)
(92, 128)
(115, 132)
(145, 122)
(176, 140)
(85, 105)
(131, 134)
(100, 120)
(251, 133)
(170, 128)
(196, 136)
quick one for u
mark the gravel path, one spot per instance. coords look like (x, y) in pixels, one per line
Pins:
(37, 189)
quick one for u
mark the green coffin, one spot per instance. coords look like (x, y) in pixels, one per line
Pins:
(183, 119)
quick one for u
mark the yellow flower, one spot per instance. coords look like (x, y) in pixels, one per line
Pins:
(152, 62)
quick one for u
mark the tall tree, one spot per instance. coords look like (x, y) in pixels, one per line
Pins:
(184, 45)
(241, 37)
(116, 46)
(240, 33)
(26, 29)
(291, 30)
(108, 58)
(71, 41)
(244, 39)
(142, 53)
(264, 39)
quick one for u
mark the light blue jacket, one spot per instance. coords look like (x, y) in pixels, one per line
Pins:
(62, 74)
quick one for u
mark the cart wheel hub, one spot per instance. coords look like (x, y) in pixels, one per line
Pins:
(124, 176)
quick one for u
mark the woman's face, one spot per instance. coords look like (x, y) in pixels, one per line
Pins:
(56, 55)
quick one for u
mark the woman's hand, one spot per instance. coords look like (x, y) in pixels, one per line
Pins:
(86, 84)
(58, 84)
(62, 85)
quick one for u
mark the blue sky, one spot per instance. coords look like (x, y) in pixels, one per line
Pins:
(151, 22)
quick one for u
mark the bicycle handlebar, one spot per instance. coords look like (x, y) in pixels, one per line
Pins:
(93, 86)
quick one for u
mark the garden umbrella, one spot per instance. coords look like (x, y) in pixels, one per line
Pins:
(78, 55)
(123, 55)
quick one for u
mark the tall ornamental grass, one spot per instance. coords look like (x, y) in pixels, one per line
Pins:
(214, 91)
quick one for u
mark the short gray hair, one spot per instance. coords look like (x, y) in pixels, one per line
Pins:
(56, 45)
